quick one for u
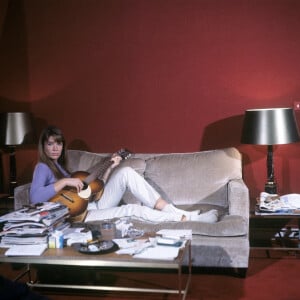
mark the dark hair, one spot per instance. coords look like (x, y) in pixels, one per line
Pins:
(56, 133)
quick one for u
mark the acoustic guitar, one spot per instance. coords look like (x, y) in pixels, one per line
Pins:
(92, 186)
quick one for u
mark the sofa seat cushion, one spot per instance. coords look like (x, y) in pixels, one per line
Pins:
(222, 211)
(228, 226)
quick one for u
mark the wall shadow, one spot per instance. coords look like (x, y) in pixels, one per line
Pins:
(78, 144)
(226, 133)
(222, 133)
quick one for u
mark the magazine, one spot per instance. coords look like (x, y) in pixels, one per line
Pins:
(47, 213)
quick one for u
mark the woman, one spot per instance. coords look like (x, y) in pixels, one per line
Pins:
(51, 176)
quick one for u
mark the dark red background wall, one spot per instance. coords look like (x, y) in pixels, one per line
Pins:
(154, 76)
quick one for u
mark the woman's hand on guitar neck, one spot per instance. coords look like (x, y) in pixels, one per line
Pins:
(115, 159)
(71, 182)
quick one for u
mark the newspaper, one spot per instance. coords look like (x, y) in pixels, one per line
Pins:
(273, 203)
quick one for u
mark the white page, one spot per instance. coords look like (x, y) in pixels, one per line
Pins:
(26, 250)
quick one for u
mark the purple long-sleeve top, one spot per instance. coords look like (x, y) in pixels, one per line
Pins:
(42, 186)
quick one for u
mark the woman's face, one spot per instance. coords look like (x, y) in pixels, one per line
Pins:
(53, 148)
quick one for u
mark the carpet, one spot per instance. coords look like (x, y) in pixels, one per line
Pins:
(276, 277)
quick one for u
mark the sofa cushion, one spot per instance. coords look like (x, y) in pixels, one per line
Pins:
(191, 178)
(228, 226)
(232, 225)
(138, 164)
(86, 161)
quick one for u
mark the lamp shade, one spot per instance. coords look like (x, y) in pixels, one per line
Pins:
(16, 129)
(270, 126)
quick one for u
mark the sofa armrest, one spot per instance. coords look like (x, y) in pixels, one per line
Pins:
(22, 196)
(238, 198)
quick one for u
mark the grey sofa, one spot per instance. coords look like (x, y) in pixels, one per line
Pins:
(200, 180)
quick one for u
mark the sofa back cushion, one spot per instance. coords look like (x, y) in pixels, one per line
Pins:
(87, 161)
(83, 160)
(195, 178)
(180, 178)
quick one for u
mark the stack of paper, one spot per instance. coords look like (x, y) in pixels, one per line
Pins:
(32, 224)
(26, 250)
(276, 203)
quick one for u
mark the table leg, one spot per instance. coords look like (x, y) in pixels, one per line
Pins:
(183, 294)
(23, 273)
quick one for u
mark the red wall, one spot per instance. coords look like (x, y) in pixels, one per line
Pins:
(153, 76)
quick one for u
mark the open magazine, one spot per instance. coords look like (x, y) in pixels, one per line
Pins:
(273, 203)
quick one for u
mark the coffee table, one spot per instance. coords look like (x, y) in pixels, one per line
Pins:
(68, 256)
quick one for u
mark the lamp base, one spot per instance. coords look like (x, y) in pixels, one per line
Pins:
(13, 172)
(271, 187)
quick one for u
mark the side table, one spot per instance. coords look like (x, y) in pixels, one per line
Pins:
(274, 231)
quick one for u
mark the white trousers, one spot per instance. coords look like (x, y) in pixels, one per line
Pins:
(126, 178)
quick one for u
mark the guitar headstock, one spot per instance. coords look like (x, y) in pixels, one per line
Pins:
(124, 153)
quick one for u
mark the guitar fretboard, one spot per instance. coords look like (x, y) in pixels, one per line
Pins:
(98, 170)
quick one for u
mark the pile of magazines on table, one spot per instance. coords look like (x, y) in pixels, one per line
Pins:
(273, 203)
(31, 225)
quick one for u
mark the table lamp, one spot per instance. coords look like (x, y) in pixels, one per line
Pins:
(270, 126)
(15, 129)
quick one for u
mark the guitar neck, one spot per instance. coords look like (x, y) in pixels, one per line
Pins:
(103, 166)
